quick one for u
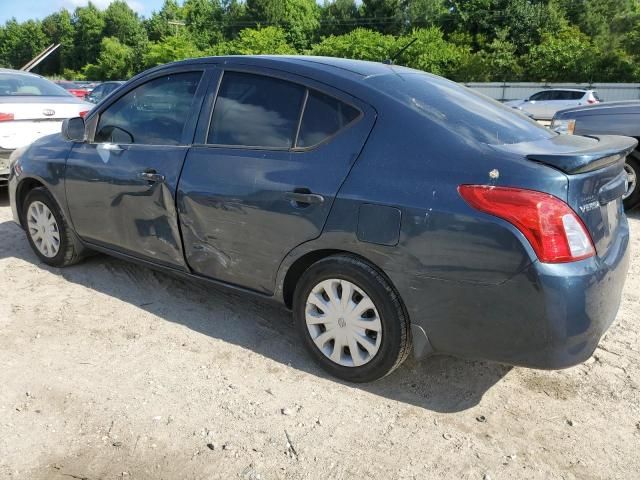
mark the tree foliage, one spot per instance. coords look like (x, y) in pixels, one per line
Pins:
(467, 40)
(256, 41)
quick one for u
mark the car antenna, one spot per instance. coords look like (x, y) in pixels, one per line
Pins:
(389, 61)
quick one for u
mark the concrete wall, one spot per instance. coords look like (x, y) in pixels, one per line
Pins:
(608, 92)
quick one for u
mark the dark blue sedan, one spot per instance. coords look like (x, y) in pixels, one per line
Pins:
(390, 209)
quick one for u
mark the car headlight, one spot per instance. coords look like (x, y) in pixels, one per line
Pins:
(565, 127)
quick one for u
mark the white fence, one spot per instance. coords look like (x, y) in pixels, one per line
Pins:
(608, 92)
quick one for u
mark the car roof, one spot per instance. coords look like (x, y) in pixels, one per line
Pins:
(19, 72)
(361, 68)
(565, 90)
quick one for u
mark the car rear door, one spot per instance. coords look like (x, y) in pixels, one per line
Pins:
(121, 183)
(261, 181)
(562, 99)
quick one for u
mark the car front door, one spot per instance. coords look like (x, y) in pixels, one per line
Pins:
(121, 183)
(537, 104)
(263, 179)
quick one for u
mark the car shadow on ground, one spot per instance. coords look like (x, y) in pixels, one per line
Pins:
(440, 383)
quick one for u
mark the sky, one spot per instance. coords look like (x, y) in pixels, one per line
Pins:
(38, 9)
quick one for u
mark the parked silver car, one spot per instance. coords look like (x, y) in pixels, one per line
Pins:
(31, 107)
(543, 105)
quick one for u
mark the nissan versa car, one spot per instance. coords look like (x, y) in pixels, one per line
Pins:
(390, 209)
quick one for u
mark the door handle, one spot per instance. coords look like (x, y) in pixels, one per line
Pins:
(150, 175)
(302, 197)
(112, 147)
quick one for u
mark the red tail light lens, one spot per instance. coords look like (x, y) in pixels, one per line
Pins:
(84, 113)
(553, 229)
(6, 117)
(591, 101)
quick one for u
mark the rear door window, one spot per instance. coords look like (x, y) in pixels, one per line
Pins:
(568, 95)
(154, 113)
(540, 96)
(323, 117)
(255, 111)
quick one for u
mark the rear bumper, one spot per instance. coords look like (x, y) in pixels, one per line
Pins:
(548, 316)
(4, 166)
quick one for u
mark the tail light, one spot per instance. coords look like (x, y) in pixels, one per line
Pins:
(6, 117)
(553, 229)
(84, 113)
(591, 101)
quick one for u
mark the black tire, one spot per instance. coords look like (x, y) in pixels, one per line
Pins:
(633, 162)
(69, 251)
(395, 344)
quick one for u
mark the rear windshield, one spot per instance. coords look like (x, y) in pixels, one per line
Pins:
(16, 85)
(462, 110)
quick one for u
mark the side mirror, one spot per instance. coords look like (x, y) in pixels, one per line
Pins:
(526, 100)
(73, 129)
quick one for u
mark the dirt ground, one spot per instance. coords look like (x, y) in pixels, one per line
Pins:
(113, 371)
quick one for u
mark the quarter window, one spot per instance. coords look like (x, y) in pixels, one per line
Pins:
(323, 117)
(255, 111)
(154, 113)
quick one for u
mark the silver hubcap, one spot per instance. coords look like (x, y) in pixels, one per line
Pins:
(632, 180)
(43, 229)
(343, 322)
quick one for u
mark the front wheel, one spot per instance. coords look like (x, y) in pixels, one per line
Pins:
(47, 230)
(631, 197)
(351, 319)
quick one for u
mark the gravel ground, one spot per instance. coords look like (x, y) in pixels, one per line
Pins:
(112, 371)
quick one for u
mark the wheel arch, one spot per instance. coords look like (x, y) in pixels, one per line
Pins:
(298, 266)
(22, 190)
(292, 271)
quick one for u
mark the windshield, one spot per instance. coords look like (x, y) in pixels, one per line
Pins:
(462, 110)
(16, 85)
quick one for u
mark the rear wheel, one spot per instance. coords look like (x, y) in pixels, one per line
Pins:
(631, 197)
(351, 319)
(47, 230)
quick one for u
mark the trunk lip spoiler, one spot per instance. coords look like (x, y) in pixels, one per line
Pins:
(609, 150)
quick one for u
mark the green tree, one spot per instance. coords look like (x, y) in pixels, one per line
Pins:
(88, 25)
(385, 16)
(121, 22)
(525, 21)
(566, 56)
(204, 21)
(426, 13)
(20, 42)
(431, 52)
(298, 18)
(59, 29)
(500, 60)
(338, 17)
(235, 17)
(359, 44)
(256, 41)
(115, 61)
(158, 25)
(171, 49)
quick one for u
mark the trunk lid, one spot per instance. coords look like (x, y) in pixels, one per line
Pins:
(594, 167)
(35, 117)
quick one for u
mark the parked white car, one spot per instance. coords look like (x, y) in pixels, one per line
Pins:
(31, 107)
(543, 105)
